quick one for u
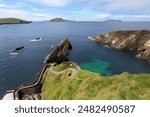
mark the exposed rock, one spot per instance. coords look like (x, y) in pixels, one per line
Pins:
(136, 40)
(59, 53)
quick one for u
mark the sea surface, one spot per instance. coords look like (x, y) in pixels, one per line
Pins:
(24, 68)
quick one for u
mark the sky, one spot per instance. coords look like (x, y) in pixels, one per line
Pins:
(78, 10)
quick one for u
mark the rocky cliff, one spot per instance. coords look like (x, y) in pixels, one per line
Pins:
(135, 40)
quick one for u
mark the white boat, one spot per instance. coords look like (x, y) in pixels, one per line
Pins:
(91, 38)
(36, 39)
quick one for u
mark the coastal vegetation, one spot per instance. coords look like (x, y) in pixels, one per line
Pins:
(59, 20)
(62, 67)
(89, 85)
(12, 21)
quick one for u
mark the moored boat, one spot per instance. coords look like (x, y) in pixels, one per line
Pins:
(17, 50)
(36, 39)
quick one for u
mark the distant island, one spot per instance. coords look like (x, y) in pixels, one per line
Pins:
(113, 20)
(13, 21)
(60, 20)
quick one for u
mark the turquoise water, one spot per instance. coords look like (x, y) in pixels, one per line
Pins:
(98, 66)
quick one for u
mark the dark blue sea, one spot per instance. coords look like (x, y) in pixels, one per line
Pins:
(24, 68)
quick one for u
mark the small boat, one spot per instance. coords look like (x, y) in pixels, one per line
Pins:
(17, 50)
(91, 38)
(36, 39)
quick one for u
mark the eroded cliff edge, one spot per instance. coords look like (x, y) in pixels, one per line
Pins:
(134, 40)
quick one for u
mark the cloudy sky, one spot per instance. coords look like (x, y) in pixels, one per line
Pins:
(87, 10)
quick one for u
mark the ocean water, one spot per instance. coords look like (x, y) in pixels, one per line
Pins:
(24, 68)
(97, 65)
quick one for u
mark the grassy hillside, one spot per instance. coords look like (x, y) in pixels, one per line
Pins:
(59, 20)
(12, 21)
(89, 85)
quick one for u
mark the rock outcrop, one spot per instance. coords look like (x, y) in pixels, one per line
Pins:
(135, 40)
(59, 53)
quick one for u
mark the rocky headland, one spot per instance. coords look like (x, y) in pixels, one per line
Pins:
(134, 40)
(60, 20)
(13, 21)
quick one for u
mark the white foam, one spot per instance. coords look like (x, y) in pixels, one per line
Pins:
(33, 40)
(52, 46)
(91, 38)
(14, 53)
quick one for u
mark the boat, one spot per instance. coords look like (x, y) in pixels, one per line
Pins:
(36, 39)
(91, 38)
(17, 50)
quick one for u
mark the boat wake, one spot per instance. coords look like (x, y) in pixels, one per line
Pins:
(14, 53)
(37, 39)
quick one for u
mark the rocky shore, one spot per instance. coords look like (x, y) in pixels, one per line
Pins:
(134, 40)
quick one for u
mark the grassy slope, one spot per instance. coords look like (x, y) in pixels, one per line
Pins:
(62, 67)
(89, 85)
(59, 20)
(11, 21)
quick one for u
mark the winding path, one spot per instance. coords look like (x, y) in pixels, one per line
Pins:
(73, 70)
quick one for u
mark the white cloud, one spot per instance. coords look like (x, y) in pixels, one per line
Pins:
(86, 13)
(134, 17)
(8, 11)
(99, 17)
(127, 4)
(53, 3)
(115, 5)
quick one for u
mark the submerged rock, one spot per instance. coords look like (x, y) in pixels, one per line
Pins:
(135, 40)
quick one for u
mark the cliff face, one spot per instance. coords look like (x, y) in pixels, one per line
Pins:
(136, 40)
(59, 53)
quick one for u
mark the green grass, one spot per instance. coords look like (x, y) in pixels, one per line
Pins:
(101, 37)
(114, 33)
(59, 20)
(11, 21)
(89, 85)
(62, 67)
